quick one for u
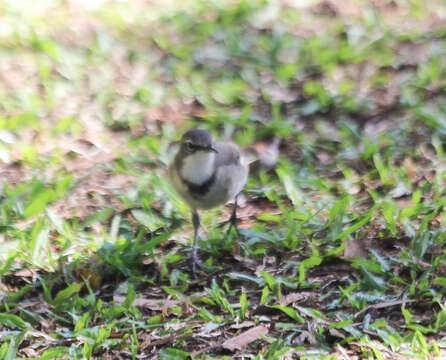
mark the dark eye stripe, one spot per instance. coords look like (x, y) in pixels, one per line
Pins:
(195, 146)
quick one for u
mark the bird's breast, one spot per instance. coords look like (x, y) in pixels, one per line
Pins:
(198, 168)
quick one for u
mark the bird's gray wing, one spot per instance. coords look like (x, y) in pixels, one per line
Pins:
(228, 154)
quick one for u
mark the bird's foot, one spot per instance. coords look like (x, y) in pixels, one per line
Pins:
(232, 221)
(196, 263)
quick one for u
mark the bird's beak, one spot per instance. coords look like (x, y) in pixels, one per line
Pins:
(213, 148)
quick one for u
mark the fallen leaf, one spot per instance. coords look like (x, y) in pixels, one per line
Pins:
(400, 190)
(354, 189)
(152, 304)
(245, 338)
(410, 167)
(306, 337)
(246, 261)
(385, 305)
(181, 325)
(355, 247)
(242, 325)
(293, 297)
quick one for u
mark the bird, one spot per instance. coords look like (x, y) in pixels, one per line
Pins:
(206, 174)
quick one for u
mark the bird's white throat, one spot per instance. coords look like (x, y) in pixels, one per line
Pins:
(198, 167)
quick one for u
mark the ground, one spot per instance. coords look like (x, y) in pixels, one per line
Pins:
(340, 250)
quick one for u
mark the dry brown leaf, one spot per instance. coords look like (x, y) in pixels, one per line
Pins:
(355, 247)
(212, 345)
(87, 162)
(343, 352)
(410, 167)
(13, 174)
(245, 338)
(404, 203)
(306, 337)
(30, 353)
(293, 297)
(253, 209)
(80, 203)
(23, 224)
(180, 325)
(152, 304)
(247, 262)
(354, 189)
(243, 324)
(385, 305)
(175, 113)
(27, 273)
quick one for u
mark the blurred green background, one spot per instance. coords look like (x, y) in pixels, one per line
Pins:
(353, 215)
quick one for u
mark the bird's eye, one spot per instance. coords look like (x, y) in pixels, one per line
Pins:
(189, 146)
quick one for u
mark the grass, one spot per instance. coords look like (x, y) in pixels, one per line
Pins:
(341, 253)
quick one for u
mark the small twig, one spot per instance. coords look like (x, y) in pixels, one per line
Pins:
(208, 276)
(164, 340)
(384, 305)
(343, 352)
(207, 349)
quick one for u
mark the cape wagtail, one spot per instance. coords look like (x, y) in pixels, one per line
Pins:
(207, 174)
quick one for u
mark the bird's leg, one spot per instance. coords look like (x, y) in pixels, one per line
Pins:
(233, 219)
(195, 259)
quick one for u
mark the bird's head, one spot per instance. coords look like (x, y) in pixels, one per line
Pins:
(197, 140)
